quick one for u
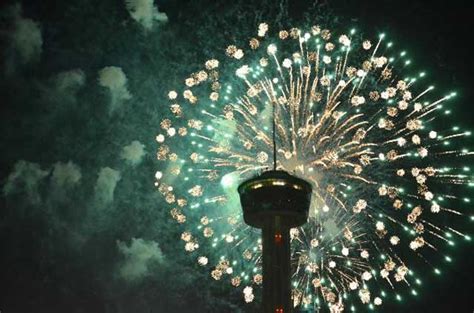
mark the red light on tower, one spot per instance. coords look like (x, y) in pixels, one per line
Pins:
(278, 239)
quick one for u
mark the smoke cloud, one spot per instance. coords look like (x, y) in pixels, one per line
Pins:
(105, 185)
(66, 174)
(133, 153)
(139, 255)
(70, 81)
(25, 178)
(145, 12)
(26, 38)
(114, 79)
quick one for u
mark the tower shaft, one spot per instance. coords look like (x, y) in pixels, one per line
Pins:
(276, 267)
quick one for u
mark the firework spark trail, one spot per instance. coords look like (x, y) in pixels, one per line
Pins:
(354, 129)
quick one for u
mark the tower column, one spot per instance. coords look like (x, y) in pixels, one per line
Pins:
(276, 268)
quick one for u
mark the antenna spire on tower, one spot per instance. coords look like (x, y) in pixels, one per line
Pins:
(274, 137)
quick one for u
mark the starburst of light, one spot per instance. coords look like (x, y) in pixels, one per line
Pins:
(349, 120)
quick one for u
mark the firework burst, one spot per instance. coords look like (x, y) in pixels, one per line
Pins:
(348, 121)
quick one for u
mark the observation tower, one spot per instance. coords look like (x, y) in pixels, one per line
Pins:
(276, 201)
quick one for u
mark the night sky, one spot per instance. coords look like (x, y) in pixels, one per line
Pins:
(82, 228)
